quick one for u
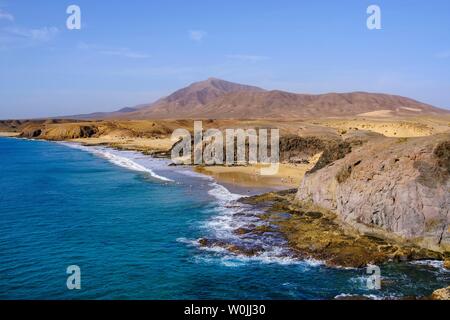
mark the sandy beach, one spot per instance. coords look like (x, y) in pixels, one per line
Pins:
(9, 134)
(288, 176)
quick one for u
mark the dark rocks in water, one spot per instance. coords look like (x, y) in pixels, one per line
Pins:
(232, 248)
(241, 231)
(249, 252)
(262, 229)
(313, 232)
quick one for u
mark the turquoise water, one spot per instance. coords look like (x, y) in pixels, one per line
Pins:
(133, 234)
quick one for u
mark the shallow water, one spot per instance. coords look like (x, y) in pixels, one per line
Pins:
(131, 223)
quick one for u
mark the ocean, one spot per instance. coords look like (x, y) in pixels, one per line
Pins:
(132, 223)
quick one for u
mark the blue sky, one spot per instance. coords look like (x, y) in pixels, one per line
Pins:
(132, 52)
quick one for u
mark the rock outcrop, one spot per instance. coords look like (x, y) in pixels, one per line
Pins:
(447, 264)
(313, 232)
(441, 294)
(60, 132)
(397, 186)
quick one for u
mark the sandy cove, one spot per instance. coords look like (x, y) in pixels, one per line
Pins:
(288, 176)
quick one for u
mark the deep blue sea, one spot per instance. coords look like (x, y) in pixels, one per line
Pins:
(131, 224)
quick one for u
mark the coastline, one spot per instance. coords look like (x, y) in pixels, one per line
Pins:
(238, 180)
(313, 233)
(237, 227)
(242, 178)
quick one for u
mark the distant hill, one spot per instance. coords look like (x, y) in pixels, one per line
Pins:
(219, 99)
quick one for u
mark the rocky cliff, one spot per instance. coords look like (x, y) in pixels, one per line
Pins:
(399, 187)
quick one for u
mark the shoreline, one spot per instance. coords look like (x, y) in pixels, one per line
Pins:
(243, 186)
(237, 177)
(238, 181)
(292, 226)
(242, 178)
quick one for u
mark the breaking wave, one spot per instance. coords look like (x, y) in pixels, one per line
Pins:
(118, 160)
(229, 215)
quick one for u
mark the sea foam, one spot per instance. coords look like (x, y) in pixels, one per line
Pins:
(118, 160)
(230, 214)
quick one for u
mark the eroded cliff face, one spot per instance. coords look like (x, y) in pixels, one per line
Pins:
(397, 186)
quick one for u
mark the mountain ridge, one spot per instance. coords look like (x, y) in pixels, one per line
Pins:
(219, 99)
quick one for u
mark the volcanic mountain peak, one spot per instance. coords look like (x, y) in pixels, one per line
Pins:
(218, 99)
(204, 91)
(189, 99)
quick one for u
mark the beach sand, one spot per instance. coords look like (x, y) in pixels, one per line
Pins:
(144, 145)
(9, 134)
(288, 176)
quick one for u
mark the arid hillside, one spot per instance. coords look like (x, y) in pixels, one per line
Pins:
(219, 99)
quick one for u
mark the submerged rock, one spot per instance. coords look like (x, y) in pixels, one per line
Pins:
(232, 248)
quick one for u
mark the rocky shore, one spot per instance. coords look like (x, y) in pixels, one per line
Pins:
(364, 199)
(317, 233)
(399, 188)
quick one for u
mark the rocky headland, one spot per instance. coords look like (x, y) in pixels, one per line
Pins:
(398, 188)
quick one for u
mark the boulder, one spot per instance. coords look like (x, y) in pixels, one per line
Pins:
(441, 294)
(447, 264)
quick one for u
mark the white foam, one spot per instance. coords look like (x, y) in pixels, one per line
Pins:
(117, 159)
(368, 296)
(432, 263)
(230, 215)
(223, 257)
(222, 194)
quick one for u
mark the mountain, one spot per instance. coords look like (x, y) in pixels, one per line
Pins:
(219, 99)
(279, 104)
(192, 99)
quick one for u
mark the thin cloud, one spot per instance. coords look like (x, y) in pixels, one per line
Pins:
(125, 52)
(19, 37)
(6, 16)
(197, 35)
(42, 34)
(443, 55)
(248, 58)
(120, 52)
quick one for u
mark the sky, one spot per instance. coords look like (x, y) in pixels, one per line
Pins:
(132, 52)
